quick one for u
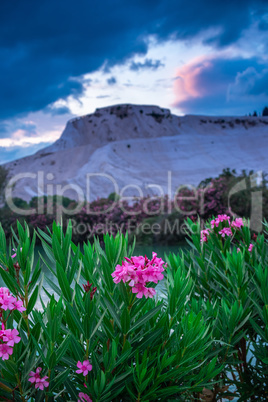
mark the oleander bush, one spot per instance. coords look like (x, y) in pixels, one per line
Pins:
(112, 326)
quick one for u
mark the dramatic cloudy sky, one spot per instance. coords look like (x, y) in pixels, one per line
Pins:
(65, 58)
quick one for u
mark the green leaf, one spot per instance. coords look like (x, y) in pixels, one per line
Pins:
(62, 348)
(63, 282)
(145, 318)
(112, 311)
(60, 379)
(125, 321)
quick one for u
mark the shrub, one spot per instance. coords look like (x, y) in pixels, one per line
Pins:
(138, 349)
(265, 111)
(101, 333)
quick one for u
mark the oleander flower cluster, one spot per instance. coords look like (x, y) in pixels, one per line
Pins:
(139, 271)
(223, 226)
(8, 337)
(38, 381)
(9, 302)
(84, 368)
(82, 397)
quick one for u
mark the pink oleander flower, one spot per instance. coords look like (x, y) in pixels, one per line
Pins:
(204, 235)
(2, 331)
(238, 249)
(84, 367)
(83, 397)
(34, 375)
(250, 247)
(5, 351)
(41, 383)
(226, 232)
(137, 271)
(11, 337)
(141, 290)
(219, 219)
(9, 302)
(19, 306)
(224, 217)
(35, 378)
(237, 223)
(15, 254)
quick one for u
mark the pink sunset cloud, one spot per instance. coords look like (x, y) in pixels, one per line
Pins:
(188, 84)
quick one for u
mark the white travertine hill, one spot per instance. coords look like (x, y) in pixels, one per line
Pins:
(115, 123)
(138, 145)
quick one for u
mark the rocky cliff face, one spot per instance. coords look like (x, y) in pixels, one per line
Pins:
(117, 123)
(143, 146)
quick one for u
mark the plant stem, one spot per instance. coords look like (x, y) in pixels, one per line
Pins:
(49, 372)
(124, 340)
(20, 388)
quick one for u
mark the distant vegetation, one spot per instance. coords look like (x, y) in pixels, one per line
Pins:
(149, 219)
(264, 112)
(3, 180)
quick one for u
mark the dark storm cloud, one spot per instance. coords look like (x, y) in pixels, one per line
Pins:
(147, 64)
(57, 111)
(3, 129)
(44, 45)
(226, 87)
(252, 82)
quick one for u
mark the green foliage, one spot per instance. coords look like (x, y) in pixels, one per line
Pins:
(3, 180)
(113, 197)
(208, 333)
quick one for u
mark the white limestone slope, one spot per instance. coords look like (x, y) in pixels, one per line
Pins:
(138, 145)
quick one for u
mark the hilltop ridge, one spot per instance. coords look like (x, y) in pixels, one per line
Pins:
(139, 145)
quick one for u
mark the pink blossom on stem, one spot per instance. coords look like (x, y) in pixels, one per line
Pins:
(9, 302)
(11, 337)
(250, 247)
(204, 235)
(19, 306)
(141, 290)
(84, 367)
(237, 223)
(83, 397)
(35, 375)
(35, 378)
(5, 351)
(219, 219)
(150, 293)
(42, 383)
(226, 231)
(138, 271)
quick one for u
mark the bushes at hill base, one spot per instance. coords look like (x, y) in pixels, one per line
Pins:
(150, 220)
(95, 332)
